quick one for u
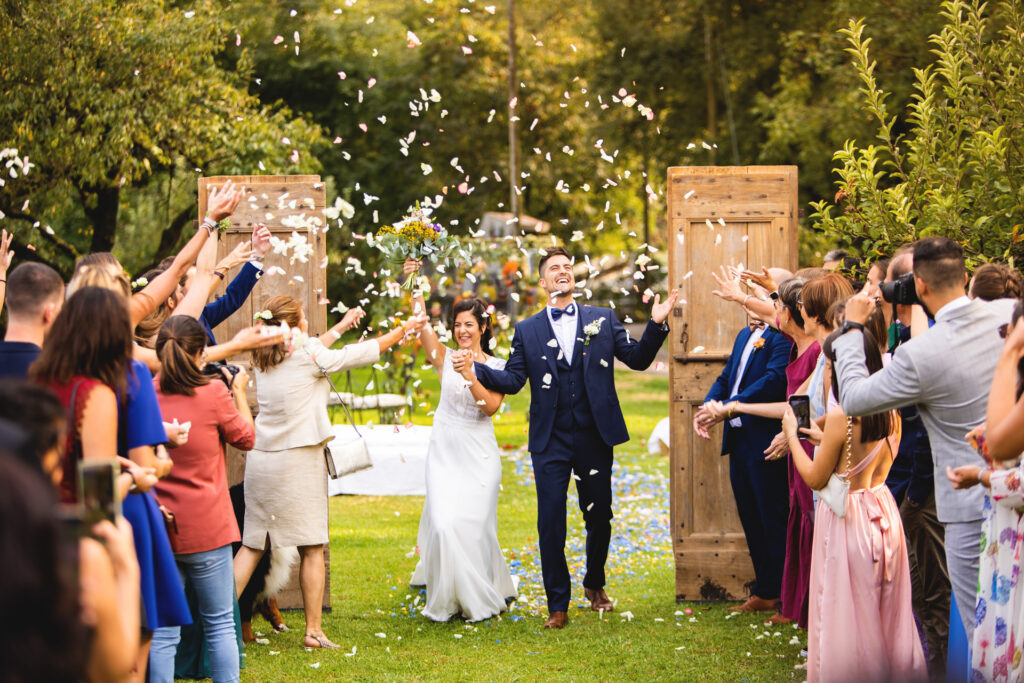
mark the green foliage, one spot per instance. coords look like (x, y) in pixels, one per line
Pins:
(106, 96)
(958, 170)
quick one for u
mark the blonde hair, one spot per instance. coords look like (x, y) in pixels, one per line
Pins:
(101, 275)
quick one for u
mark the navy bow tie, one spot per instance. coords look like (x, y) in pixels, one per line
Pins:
(557, 313)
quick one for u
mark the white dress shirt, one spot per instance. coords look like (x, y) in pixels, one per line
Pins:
(744, 358)
(565, 331)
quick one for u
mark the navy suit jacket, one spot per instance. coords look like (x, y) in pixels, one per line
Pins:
(219, 310)
(763, 381)
(534, 356)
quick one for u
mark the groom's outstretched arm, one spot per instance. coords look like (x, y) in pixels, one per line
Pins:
(513, 377)
(637, 355)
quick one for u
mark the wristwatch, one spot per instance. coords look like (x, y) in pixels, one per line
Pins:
(850, 325)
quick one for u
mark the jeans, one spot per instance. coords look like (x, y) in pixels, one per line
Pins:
(213, 578)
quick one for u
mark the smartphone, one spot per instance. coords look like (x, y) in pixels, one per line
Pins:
(801, 405)
(97, 490)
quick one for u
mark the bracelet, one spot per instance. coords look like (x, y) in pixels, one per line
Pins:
(135, 486)
(209, 224)
(334, 333)
(744, 304)
(218, 274)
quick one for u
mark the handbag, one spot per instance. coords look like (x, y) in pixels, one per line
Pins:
(837, 490)
(345, 457)
(172, 526)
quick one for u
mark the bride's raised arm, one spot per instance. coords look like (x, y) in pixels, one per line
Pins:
(432, 346)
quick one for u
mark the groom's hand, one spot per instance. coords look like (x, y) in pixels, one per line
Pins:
(660, 310)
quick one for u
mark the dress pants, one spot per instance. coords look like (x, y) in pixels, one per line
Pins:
(929, 579)
(581, 452)
(761, 489)
(963, 550)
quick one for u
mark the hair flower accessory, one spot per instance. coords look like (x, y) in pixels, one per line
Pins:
(139, 283)
(590, 329)
(263, 315)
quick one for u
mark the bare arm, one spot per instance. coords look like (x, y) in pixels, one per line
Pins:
(817, 472)
(249, 338)
(348, 321)
(5, 263)
(1005, 414)
(99, 424)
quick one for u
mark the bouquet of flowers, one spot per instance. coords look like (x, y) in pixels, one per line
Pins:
(415, 237)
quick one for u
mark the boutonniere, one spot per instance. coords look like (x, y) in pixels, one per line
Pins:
(758, 343)
(590, 329)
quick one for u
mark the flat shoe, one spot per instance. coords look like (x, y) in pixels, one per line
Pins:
(321, 642)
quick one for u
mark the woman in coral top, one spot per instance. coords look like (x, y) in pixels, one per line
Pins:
(196, 490)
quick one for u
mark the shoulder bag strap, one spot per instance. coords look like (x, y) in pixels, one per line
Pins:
(341, 401)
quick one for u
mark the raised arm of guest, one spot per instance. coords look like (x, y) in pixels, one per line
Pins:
(729, 289)
(209, 273)
(221, 204)
(240, 287)
(6, 254)
(1004, 418)
(432, 346)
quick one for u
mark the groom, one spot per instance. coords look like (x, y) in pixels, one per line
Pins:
(567, 351)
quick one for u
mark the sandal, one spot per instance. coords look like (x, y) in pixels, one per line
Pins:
(321, 641)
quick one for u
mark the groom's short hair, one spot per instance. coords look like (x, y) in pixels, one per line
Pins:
(548, 253)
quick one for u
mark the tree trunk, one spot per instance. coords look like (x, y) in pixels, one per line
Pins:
(101, 205)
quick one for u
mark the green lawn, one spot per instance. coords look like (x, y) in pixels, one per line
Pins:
(649, 636)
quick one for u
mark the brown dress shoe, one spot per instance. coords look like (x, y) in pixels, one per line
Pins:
(599, 600)
(557, 619)
(756, 604)
(779, 620)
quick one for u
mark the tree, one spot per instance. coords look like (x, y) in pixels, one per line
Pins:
(958, 171)
(106, 95)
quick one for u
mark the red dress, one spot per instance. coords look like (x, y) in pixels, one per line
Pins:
(80, 387)
(796, 573)
(196, 490)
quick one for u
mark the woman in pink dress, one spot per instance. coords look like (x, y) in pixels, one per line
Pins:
(861, 623)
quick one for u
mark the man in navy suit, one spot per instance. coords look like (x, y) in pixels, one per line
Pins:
(755, 373)
(567, 352)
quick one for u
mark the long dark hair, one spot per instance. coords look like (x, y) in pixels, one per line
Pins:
(179, 340)
(479, 310)
(92, 337)
(41, 637)
(878, 425)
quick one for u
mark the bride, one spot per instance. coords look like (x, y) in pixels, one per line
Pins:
(461, 563)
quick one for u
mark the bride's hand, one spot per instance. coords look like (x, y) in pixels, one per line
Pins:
(411, 265)
(462, 361)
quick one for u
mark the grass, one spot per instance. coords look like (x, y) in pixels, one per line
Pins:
(649, 636)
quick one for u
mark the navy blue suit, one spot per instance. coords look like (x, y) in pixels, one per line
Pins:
(575, 420)
(760, 487)
(237, 291)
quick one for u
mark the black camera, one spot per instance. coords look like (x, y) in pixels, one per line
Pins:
(901, 291)
(216, 368)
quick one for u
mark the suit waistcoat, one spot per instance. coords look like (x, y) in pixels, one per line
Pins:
(572, 409)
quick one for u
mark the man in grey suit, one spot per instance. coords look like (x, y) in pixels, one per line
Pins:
(946, 371)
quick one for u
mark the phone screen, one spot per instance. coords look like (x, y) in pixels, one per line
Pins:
(801, 405)
(97, 492)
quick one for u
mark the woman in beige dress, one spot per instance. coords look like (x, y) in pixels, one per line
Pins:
(285, 473)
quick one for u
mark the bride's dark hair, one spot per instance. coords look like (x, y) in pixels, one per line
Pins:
(479, 310)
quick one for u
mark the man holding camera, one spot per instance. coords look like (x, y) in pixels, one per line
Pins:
(946, 371)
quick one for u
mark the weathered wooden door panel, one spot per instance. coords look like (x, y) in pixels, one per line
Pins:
(740, 216)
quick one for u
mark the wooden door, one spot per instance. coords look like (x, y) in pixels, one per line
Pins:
(717, 216)
(285, 204)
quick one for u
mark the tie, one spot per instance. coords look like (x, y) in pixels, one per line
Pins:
(569, 310)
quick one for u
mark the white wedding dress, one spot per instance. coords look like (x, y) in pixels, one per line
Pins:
(461, 563)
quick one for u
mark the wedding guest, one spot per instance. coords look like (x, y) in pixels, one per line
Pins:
(34, 295)
(799, 525)
(88, 366)
(995, 649)
(461, 562)
(756, 373)
(861, 622)
(285, 472)
(834, 259)
(931, 371)
(993, 281)
(196, 490)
